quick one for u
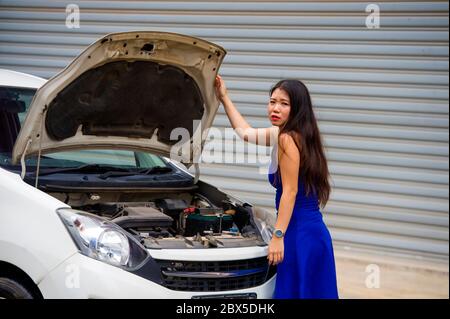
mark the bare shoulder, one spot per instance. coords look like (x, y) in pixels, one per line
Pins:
(288, 146)
(286, 141)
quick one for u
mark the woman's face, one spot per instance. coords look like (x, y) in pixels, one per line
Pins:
(279, 107)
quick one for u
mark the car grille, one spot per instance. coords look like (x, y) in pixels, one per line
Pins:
(215, 275)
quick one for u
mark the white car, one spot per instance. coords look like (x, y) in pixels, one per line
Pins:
(91, 206)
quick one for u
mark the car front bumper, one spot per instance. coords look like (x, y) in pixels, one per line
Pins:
(82, 277)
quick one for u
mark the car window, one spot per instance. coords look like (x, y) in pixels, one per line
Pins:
(14, 104)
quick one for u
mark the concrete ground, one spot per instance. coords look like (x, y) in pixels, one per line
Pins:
(371, 274)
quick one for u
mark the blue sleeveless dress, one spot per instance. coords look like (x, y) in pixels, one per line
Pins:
(308, 268)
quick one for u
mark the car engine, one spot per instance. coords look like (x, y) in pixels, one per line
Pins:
(189, 222)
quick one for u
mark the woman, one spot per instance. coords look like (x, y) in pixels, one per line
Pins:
(301, 246)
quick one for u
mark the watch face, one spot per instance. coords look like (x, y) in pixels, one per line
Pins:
(278, 233)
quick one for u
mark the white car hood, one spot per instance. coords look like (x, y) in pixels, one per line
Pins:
(127, 91)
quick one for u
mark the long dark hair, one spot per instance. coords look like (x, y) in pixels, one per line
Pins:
(302, 127)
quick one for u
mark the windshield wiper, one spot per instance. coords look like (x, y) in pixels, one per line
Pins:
(149, 171)
(92, 168)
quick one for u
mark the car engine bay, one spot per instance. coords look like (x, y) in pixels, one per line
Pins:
(174, 220)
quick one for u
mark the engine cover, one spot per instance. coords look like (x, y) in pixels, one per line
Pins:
(143, 218)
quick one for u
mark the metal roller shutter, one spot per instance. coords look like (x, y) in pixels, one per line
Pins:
(381, 95)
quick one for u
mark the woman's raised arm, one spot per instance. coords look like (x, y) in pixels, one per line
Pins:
(262, 136)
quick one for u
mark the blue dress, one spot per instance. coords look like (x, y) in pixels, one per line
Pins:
(308, 268)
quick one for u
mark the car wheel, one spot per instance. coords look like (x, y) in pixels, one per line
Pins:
(11, 289)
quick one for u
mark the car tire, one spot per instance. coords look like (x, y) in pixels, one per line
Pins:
(11, 289)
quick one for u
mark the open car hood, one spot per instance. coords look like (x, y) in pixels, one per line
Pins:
(127, 91)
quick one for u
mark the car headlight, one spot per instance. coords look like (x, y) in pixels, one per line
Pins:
(265, 222)
(265, 230)
(103, 240)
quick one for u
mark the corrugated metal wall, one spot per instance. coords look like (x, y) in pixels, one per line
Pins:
(381, 95)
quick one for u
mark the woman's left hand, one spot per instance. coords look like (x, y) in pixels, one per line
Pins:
(276, 251)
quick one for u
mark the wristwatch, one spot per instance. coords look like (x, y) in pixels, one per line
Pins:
(278, 233)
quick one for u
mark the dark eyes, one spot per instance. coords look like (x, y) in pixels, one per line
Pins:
(283, 103)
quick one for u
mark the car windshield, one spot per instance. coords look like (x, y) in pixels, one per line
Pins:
(14, 104)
